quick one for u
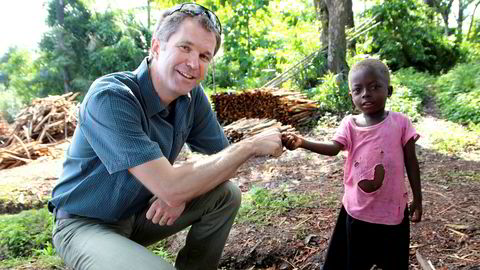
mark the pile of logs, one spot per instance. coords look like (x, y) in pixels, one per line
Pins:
(287, 107)
(46, 122)
(4, 127)
(245, 128)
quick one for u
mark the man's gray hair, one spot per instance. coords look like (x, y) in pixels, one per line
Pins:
(168, 24)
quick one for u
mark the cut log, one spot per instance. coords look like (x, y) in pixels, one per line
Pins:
(46, 120)
(287, 107)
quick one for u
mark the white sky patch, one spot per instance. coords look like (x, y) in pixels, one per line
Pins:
(22, 24)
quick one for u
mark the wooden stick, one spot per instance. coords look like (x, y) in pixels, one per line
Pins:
(423, 263)
(23, 145)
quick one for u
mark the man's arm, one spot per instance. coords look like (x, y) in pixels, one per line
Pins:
(413, 173)
(177, 185)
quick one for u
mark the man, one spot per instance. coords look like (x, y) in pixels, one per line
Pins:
(119, 191)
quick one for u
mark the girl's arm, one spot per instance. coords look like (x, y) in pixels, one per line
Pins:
(413, 172)
(292, 141)
(324, 148)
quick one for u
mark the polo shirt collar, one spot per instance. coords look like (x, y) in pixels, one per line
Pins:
(153, 102)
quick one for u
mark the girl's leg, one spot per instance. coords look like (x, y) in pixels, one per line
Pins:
(337, 248)
(395, 245)
(362, 239)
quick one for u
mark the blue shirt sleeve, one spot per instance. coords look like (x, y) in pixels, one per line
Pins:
(113, 122)
(206, 135)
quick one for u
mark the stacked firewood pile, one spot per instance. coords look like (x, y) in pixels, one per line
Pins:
(4, 127)
(287, 107)
(46, 122)
(245, 128)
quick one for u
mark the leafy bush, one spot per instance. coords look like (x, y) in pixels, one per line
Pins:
(330, 96)
(10, 105)
(419, 83)
(406, 37)
(23, 233)
(403, 100)
(458, 93)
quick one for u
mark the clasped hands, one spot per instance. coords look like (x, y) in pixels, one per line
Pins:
(163, 214)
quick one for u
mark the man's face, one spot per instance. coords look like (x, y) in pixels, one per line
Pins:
(179, 64)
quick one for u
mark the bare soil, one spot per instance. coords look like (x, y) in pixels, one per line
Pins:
(448, 236)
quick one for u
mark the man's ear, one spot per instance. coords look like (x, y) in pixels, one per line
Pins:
(155, 48)
(390, 90)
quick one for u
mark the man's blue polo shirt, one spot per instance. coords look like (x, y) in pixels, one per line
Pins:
(123, 123)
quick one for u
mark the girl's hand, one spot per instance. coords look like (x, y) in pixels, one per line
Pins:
(291, 141)
(416, 211)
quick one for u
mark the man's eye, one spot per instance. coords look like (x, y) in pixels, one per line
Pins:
(205, 58)
(184, 48)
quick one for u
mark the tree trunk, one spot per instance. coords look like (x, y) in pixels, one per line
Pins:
(149, 9)
(462, 6)
(460, 18)
(61, 43)
(473, 20)
(336, 37)
(350, 25)
(322, 16)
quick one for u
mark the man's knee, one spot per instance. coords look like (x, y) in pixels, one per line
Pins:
(232, 193)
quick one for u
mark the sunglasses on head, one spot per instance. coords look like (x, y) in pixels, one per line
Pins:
(195, 9)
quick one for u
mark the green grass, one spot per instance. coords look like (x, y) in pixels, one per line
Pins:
(463, 176)
(26, 238)
(22, 234)
(161, 249)
(259, 204)
(452, 138)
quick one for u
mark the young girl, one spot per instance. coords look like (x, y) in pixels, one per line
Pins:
(373, 224)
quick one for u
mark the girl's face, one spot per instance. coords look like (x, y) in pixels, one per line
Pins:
(369, 91)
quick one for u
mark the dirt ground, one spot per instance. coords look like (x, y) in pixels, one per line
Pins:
(447, 238)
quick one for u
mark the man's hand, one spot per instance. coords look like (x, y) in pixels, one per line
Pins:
(268, 143)
(416, 211)
(162, 214)
(291, 141)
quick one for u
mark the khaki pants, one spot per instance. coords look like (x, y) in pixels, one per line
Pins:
(86, 243)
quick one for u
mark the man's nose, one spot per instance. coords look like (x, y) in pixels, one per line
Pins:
(193, 60)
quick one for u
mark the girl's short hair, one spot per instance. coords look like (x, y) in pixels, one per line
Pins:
(375, 64)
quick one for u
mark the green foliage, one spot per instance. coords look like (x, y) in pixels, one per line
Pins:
(18, 69)
(474, 35)
(160, 249)
(458, 93)
(259, 204)
(406, 37)
(279, 33)
(123, 55)
(244, 33)
(405, 101)
(310, 76)
(23, 233)
(330, 96)
(93, 45)
(10, 105)
(419, 83)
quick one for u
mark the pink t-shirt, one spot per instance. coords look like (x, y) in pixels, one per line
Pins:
(367, 147)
